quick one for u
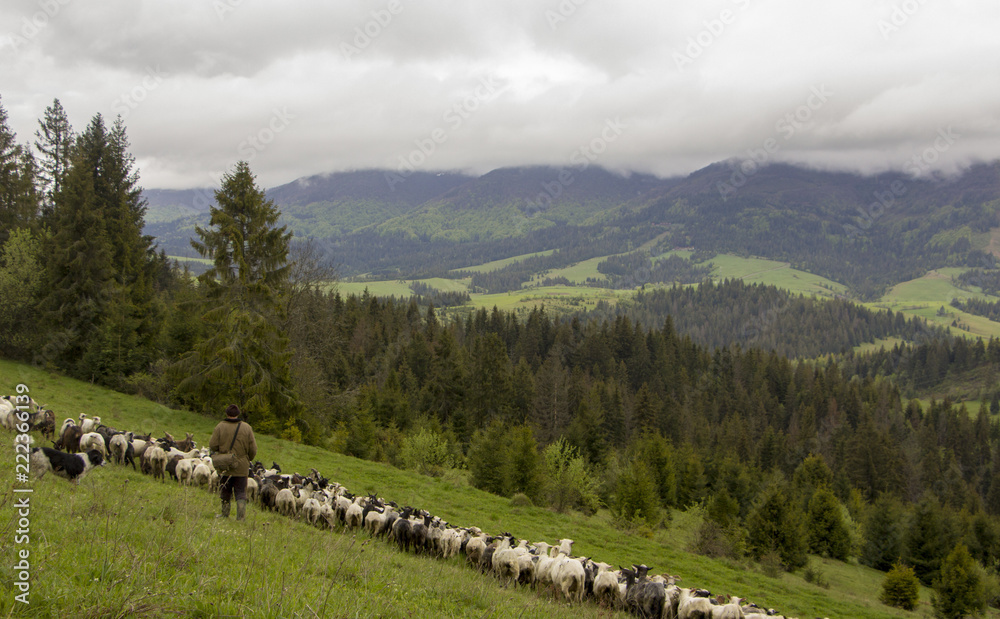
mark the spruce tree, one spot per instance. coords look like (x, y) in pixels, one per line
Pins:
(21, 279)
(54, 142)
(828, 534)
(99, 203)
(900, 588)
(883, 529)
(18, 199)
(244, 357)
(959, 592)
(776, 524)
(928, 539)
(79, 276)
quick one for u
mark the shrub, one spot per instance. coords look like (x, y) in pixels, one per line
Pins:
(426, 452)
(520, 500)
(770, 564)
(568, 482)
(814, 575)
(901, 588)
(637, 500)
(713, 540)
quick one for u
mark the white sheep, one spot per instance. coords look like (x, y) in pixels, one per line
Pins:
(311, 510)
(7, 414)
(327, 514)
(374, 522)
(185, 467)
(566, 546)
(606, 588)
(505, 562)
(284, 501)
(139, 446)
(475, 549)
(690, 606)
(89, 425)
(252, 488)
(157, 459)
(451, 542)
(194, 453)
(202, 473)
(568, 576)
(732, 610)
(118, 447)
(543, 569)
(354, 517)
(93, 440)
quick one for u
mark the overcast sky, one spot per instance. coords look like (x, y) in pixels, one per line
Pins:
(306, 87)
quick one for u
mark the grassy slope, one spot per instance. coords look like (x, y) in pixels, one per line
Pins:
(924, 297)
(499, 264)
(401, 288)
(154, 547)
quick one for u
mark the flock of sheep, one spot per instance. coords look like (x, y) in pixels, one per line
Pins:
(329, 505)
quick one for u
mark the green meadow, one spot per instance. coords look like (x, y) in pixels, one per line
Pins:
(120, 544)
(925, 296)
(496, 265)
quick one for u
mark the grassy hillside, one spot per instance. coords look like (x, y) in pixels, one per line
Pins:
(121, 544)
(926, 295)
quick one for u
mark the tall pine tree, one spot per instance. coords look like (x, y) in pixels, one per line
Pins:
(54, 142)
(79, 275)
(244, 357)
(18, 199)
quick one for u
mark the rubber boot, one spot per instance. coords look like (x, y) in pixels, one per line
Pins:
(241, 509)
(225, 510)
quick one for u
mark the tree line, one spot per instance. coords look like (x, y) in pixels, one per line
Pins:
(754, 315)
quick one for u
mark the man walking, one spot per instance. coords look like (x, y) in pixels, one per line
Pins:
(233, 447)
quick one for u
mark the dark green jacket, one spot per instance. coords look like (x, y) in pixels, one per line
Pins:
(245, 447)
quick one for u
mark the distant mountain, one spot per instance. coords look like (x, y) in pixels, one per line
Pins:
(509, 202)
(331, 205)
(513, 201)
(172, 204)
(867, 232)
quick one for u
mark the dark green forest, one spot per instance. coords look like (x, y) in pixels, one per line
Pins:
(741, 401)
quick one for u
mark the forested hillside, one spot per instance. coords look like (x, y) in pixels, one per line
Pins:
(865, 232)
(731, 313)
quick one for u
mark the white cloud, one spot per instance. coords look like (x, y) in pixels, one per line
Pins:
(367, 83)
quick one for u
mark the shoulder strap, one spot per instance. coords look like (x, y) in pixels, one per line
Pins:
(234, 437)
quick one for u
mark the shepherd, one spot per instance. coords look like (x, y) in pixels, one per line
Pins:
(233, 447)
